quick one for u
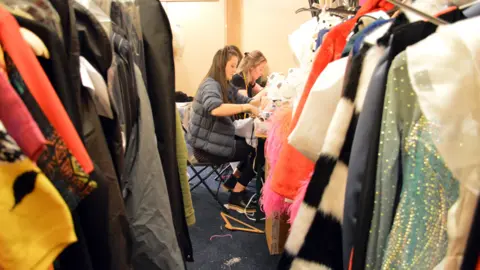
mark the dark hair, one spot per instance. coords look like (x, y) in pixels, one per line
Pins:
(217, 69)
(236, 49)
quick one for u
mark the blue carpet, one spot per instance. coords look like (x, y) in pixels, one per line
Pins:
(243, 251)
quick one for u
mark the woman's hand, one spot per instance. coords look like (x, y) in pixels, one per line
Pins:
(252, 110)
(243, 92)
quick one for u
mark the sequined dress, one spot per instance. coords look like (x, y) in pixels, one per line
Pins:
(414, 189)
(418, 239)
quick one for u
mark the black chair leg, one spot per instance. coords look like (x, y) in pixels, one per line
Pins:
(220, 180)
(224, 209)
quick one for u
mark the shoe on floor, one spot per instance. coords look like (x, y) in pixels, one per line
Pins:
(230, 183)
(238, 201)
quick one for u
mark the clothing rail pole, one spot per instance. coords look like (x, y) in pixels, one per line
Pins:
(468, 5)
(422, 14)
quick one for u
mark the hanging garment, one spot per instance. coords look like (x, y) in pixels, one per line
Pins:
(110, 242)
(182, 158)
(127, 16)
(309, 134)
(109, 238)
(75, 256)
(41, 11)
(161, 90)
(320, 36)
(56, 161)
(277, 135)
(95, 44)
(288, 175)
(146, 197)
(36, 223)
(302, 40)
(425, 180)
(40, 87)
(55, 67)
(93, 81)
(320, 215)
(122, 84)
(448, 97)
(71, 45)
(16, 117)
(362, 33)
(472, 251)
(73, 184)
(389, 168)
(370, 31)
(364, 152)
(127, 48)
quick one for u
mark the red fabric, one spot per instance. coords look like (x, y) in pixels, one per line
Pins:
(293, 167)
(19, 122)
(40, 87)
(350, 261)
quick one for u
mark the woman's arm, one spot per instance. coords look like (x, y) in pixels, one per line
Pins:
(257, 89)
(257, 99)
(232, 109)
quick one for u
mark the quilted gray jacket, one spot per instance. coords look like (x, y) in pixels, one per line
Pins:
(214, 135)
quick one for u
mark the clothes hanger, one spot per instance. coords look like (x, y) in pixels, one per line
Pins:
(229, 226)
(303, 9)
(35, 43)
(436, 21)
(462, 7)
(339, 11)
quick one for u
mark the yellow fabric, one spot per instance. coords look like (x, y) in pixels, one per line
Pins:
(182, 156)
(34, 231)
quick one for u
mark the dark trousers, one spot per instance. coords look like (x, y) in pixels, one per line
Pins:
(244, 153)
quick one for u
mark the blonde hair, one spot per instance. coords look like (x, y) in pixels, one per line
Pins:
(251, 60)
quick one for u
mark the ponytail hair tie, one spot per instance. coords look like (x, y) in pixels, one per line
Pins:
(246, 53)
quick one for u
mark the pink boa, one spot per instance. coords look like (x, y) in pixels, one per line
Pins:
(295, 206)
(277, 136)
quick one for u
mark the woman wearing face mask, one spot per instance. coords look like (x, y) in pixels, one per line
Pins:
(249, 72)
(211, 129)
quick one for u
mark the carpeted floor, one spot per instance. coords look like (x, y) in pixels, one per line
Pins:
(242, 251)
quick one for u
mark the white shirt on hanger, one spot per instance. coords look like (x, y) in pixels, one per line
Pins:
(94, 82)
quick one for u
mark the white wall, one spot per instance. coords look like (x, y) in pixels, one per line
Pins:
(266, 26)
(203, 27)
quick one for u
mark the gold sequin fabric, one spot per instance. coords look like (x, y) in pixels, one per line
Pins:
(418, 239)
(409, 168)
(400, 113)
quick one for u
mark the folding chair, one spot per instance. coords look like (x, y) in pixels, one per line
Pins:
(198, 168)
